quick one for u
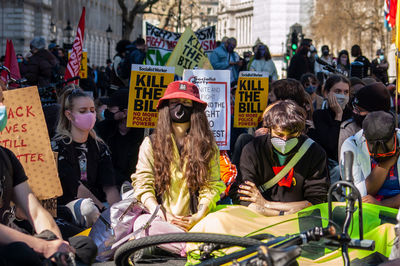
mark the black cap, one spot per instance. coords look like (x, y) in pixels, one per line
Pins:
(379, 126)
(118, 98)
(373, 97)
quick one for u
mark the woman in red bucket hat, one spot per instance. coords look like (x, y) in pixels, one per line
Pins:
(178, 165)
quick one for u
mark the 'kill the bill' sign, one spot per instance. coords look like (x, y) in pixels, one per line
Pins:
(148, 84)
(251, 98)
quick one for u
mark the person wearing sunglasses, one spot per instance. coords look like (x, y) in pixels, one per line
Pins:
(376, 159)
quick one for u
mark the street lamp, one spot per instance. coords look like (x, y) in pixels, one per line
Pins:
(67, 36)
(108, 34)
(53, 32)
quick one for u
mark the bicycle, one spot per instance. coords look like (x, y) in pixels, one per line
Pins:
(283, 250)
(11, 80)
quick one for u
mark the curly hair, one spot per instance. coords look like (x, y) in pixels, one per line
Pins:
(198, 150)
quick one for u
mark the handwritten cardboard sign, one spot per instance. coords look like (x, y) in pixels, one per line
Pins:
(214, 88)
(26, 135)
(251, 98)
(148, 84)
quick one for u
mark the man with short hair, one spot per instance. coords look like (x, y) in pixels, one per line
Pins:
(376, 159)
(224, 57)
(304, 178)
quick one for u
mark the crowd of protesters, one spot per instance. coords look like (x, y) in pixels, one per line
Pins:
(325, 107)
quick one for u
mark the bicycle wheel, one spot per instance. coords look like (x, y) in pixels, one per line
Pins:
(123, 253)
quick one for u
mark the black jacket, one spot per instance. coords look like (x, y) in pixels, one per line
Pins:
(310, 173)
(100, 172)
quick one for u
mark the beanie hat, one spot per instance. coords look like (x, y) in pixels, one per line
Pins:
(379, 126)
(373, 97)
(38, 43)
(181, 89)
(118, 98)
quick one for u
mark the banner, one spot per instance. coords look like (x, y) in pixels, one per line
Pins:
(83, 70)
(74, 61)
(26, 135)
(214, 87)
(251, 98)
(188, 54)
(161, 43)
(148, 84)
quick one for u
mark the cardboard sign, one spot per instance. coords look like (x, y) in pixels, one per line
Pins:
(251, 98)
(83, 71)
(26, 135)
(161, 43)
(188, 54)
(214, 87)
(148, 84)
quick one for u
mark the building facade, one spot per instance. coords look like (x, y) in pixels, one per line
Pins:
(21, 20)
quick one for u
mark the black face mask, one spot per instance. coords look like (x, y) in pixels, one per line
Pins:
(180, 113)
(382, 159)
(358, 119)
(325, 52)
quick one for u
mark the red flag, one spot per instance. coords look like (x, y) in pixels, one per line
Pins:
(12, 64)
(74, 62)
(392, 13)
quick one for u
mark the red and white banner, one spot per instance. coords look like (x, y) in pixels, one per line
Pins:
(11, 63)
(74, 61)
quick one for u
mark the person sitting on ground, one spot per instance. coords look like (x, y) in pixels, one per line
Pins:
(124, 142)
(14, 243)
(178, 164)
(84, 162)
(262, 159)
(310, 84)
(376, 159)
(370, 98)
(327, 120)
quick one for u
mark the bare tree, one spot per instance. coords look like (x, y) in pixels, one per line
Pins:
(342, 23)
(128, 16)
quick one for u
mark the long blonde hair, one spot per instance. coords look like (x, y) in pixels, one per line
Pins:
(63, 130)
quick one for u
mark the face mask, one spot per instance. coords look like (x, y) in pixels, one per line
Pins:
(19, 60)
(358, 119)
(180, 113)
(342, 100)
(230, 48)
(84, 121)
(343, 61)
(3, 117)
(311, 89)
(102, 115)
(381, 57)
(284, 146)
(325, 52)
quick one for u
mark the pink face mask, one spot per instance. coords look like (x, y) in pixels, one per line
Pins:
(84, 121)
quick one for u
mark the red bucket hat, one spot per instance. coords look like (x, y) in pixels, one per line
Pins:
(181, 89)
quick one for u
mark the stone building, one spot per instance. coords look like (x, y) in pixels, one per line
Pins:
(21, 20)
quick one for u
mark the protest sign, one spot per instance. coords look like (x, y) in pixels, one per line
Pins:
(251, 98)
(148, 84)
(214, 87)
(161, 43)
(188, 54)
(26, 135)
(83, 70)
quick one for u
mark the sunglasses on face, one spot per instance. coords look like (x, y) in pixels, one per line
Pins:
(387, 154)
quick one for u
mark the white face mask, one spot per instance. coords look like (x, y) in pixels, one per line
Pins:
(342, 100)
(284, 146)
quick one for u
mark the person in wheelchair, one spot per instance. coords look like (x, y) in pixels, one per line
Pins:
(284, 171)
(376, 159)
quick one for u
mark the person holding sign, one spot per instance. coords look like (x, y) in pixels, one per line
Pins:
(283, 171)
(178, 164)
(84, 162)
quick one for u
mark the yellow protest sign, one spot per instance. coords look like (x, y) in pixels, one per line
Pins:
(26, 135)
(251, 98)
(148, 84)
(188, 54)
(83, 70)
